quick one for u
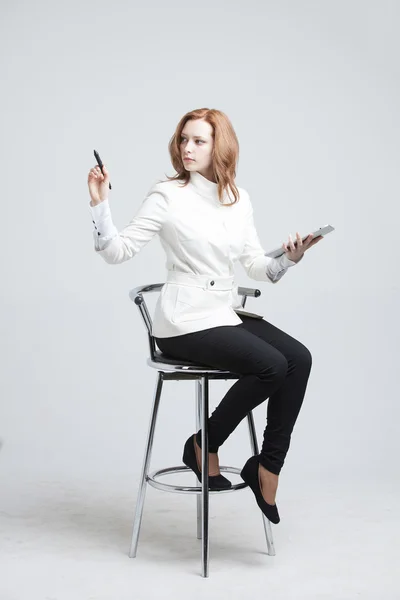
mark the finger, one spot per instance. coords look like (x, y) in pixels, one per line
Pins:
(96, 174)
(308, 240)
(299, 240)
(99, 173)
(291, 244)
(316, 240)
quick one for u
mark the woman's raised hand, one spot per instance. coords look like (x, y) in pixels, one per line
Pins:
(98, 184)
(295, 252)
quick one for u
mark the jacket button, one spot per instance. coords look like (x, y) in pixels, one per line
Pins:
(212, 282)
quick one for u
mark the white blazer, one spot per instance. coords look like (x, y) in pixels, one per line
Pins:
(202, 240)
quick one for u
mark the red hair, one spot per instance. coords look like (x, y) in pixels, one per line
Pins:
(225, 151)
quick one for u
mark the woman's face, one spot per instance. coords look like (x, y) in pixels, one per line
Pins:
(197, 143)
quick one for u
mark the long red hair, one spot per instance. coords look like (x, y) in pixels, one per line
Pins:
(225, 152)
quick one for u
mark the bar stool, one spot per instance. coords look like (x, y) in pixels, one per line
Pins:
(171, 369)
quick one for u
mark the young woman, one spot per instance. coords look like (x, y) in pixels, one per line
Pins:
(205, 224)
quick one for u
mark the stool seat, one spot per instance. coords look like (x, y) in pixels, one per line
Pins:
(161, 357)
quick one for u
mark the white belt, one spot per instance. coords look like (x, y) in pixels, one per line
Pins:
(207, 282)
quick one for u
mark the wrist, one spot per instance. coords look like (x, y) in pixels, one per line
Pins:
(291, 261)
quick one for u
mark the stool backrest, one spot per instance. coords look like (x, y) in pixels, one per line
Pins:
(136, 295)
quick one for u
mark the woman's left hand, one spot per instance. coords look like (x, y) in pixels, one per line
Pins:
(295, 252)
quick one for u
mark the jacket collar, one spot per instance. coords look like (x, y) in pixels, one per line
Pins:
(204, 186)
(207, 188)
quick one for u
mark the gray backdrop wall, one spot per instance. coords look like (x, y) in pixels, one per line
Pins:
(312, 89)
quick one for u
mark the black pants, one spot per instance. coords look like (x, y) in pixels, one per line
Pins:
(271, 364)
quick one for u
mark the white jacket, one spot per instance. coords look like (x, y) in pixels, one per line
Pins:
(202, 240)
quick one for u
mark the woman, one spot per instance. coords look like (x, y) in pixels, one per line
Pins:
(205, 223)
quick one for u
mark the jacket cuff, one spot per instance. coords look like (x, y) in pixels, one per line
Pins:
(100, 211)
(101, 219)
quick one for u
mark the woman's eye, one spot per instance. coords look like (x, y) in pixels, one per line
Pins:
(184, 139)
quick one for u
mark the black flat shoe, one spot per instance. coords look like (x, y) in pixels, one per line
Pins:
(215, 482)
(249, 474)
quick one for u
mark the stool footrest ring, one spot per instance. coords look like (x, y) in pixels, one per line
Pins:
(151, 479)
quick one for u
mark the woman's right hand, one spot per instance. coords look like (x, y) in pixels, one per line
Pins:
(98, 184)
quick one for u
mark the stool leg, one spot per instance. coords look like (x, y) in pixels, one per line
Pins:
(145, 468)
(198, 426)
(204, 473)
(254, 448)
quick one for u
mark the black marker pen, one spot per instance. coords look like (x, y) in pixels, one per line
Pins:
(99, 162)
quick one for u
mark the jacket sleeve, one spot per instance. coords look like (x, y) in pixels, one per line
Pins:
(117, 247)
(256, 264)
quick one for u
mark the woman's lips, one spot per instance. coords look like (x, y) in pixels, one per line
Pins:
(188, 159)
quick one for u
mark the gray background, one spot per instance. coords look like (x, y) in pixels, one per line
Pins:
(312, 90)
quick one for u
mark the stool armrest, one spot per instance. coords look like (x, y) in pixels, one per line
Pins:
(136, 295)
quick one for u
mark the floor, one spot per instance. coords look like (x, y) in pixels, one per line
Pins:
(68, 539)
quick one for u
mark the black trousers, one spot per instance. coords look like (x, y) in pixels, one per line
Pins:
(271, 364)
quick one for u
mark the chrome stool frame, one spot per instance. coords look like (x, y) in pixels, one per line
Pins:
(171, 369)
